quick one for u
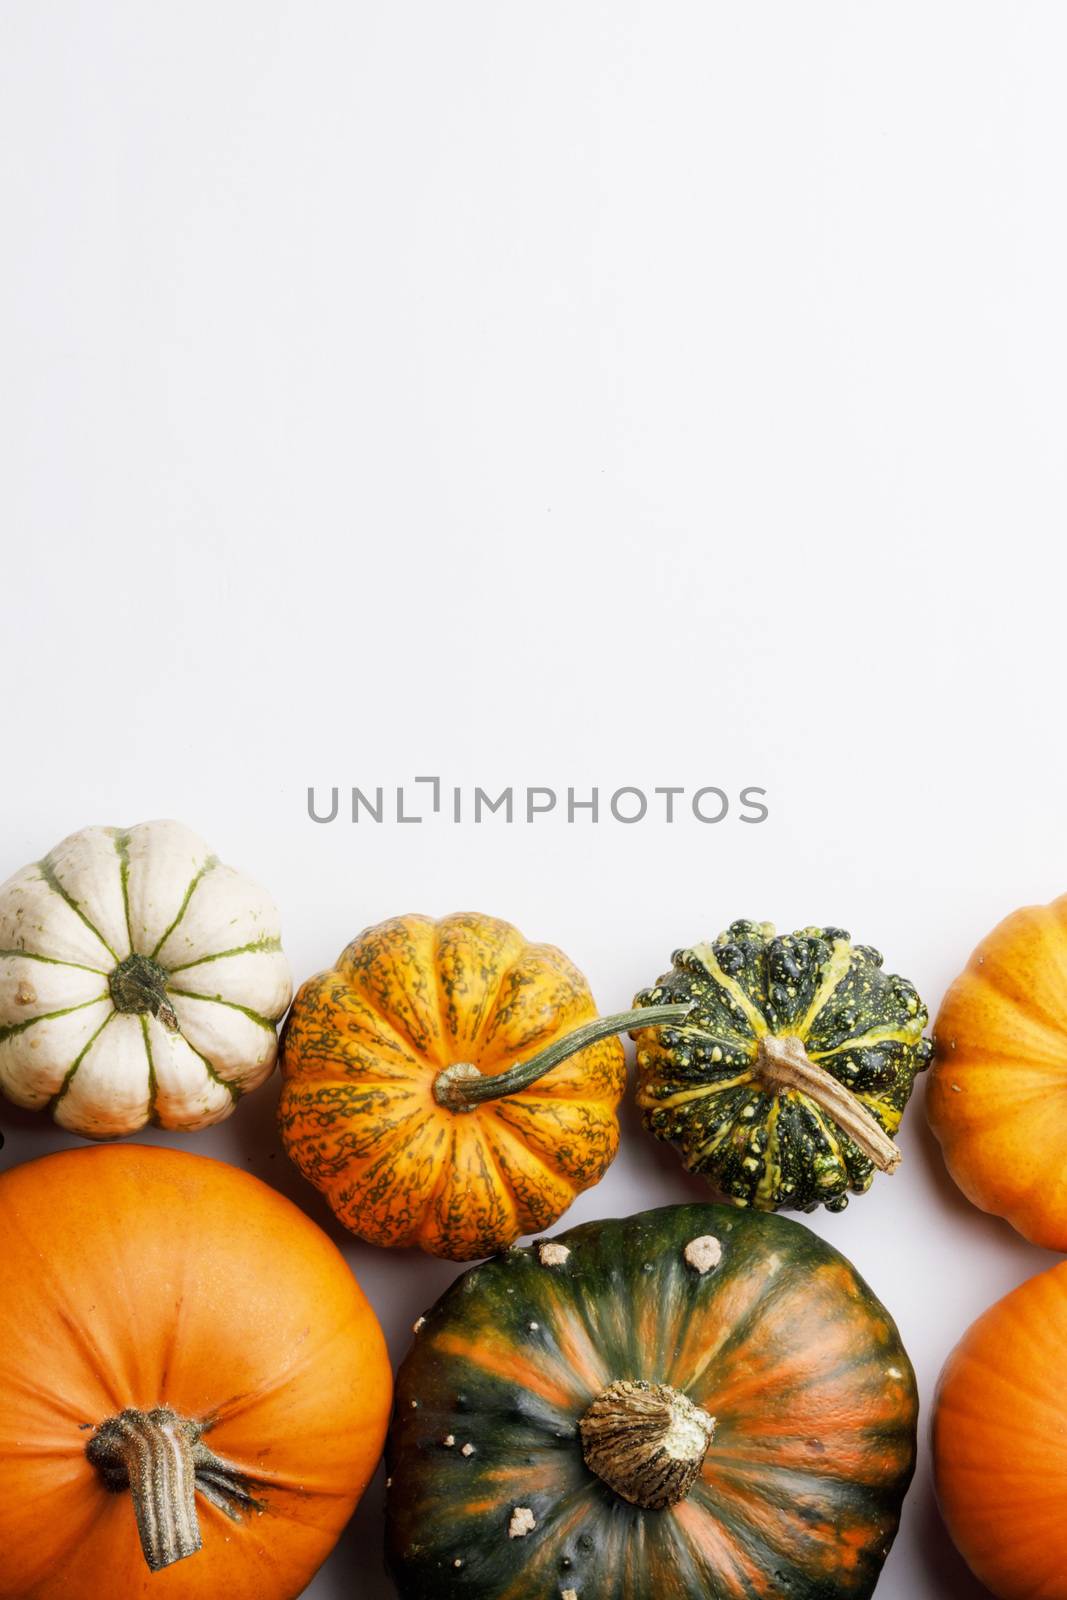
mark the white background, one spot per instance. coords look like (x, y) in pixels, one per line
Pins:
(554, 394)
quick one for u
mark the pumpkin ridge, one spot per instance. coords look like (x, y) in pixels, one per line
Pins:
(490, 1132)
(420, 1055)
(1037, 1068)
(864, 1041)
(491, 1157)
(740, 1331)
(384, 1160)
(212, 1071)
(821, 1540)
(881, 1109)
(771, 1175)
(518, 1205)
(11, 1030)
(194, 883)
(701, 1091)
(356, 972)
(170, 1349)
(68, 1077)
(384, 1147)
(121, 841)
(559, 1518)
(478, 1240)
(553, 956)
(232, 1005)
(69, 1550)
(429, 1209)
(684, 1556)
(544, 1032)
(499, 1109)
(744, 1548)
(20, 1383)
(269, 942)
(826, 1124)
(239, 1405)
(441, 997)
(994, 978)
(837, 970)
(81, 1338)
(153, 1087)
(705, 955)
(52, 961)
(328, 990)
(54, 882)
(492, 1000)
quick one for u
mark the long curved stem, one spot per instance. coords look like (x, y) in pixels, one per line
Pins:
(462, 1087)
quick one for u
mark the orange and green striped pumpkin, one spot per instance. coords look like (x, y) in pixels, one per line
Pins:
(697, 1401)
(450, 1085)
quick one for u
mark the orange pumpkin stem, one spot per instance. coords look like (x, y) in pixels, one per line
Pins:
(462, 1086)
(783, 1063)
(160, 1458)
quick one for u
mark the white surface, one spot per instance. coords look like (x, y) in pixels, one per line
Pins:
(562, 394)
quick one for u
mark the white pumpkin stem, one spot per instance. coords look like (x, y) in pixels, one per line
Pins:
(783, 1063)
(462, 1087)
(160, 1458)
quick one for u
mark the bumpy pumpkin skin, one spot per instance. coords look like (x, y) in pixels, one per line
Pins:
(363, 1047)
(813, 1397)
(698, 1087)
(137, 1277)
(1000, 1070)
(1000, 1446)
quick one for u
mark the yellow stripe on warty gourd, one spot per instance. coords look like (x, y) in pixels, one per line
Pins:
(772, 1172)
(837, 968)
(705, 954)
(869, 1041)
(685, 1096)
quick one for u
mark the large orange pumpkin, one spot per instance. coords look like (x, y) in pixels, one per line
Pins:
(996, 1098)
(185, 1361)
(1000, 1442)
(447, 1084)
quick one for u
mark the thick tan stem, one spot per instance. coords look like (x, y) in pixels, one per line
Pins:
(783, 1063)
(646, 1441)
(151, 1454)
(159, 1457)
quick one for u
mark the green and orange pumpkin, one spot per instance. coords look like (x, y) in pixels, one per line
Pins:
(788, 1078)
(697, 1401)
(450, 1085)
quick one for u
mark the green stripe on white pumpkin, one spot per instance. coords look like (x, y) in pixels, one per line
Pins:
(89, 858)
(37, 919)
(35, 1061)
(118, 909)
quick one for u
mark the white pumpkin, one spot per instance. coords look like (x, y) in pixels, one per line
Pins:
(140, 981)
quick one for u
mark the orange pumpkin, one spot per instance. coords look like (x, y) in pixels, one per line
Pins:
(449, 1085)
(1000, 1442)
(996, 1096)
(187, 1369)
